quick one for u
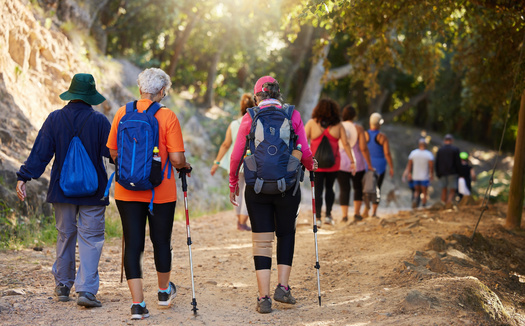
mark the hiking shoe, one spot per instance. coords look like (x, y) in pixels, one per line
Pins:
(62, 292)
(358, 218)
(139, 312)
(328, 220)
(165, 298)
(318, 222)
(264, 305)
(283, 294)
(345, 219)
(243, 227)
(86, 299)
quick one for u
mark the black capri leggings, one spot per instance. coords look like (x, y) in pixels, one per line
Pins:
(274, 213)
(133, 216)
(343, 178)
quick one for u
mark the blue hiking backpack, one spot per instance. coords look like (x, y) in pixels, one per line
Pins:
(269, 166)
(78, 176)
(137, 136)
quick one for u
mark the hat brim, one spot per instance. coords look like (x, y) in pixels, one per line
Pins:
(94, 99)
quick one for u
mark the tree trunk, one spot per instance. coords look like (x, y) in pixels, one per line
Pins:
(302, 47)
(179, 44)
(314, 86)
(212, 75)
(516, 191)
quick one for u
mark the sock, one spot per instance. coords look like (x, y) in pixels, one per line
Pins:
(142, 304)
(166, 290)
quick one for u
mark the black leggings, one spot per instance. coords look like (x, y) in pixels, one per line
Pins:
(274, 213)
(324, 180)
(134, 215)
(343, 178)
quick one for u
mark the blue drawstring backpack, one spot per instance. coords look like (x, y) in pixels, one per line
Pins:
(78, 176)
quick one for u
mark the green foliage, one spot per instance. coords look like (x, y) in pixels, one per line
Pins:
(500, 187)
(21, 231)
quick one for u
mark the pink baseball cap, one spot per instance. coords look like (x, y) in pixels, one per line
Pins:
(259, 84)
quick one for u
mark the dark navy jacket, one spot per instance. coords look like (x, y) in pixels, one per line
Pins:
(447, 161)
(53, 140)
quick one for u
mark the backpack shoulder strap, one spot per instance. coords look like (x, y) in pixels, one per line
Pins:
(288, 110)
(253, 111)
(131, 106)
(154, 108)
(84, 124)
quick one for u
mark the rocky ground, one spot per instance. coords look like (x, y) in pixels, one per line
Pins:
(405, 268)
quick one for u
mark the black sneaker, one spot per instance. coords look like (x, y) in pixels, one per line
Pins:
(62, 292)
(264, 305)
(284, 295)
(86, 299)
(165, 298)
(139, 312)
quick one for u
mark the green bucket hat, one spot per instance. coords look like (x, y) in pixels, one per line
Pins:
(83, 88)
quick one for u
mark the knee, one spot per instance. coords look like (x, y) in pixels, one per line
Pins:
(262, 244)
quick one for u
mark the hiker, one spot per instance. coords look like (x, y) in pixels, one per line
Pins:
(270, 213)
(421, 172)
(326, 124)
(356, 137)
(76, 217)
(133, 206)
(223, 160)
(379, 148)
(448, 166)
(466, 176)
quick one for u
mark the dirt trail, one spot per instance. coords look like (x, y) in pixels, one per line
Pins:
(369, 276)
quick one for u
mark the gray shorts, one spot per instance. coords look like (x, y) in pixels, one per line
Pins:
(449, 181)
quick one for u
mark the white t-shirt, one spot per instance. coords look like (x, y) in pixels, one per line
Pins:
(420, 159)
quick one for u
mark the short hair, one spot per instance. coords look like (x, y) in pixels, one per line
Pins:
(152, 80)
(326, 112)
(349, 113)
(246, 102)
(273, 92)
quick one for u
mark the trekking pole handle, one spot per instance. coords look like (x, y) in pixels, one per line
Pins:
(182, 176)
(312, 176)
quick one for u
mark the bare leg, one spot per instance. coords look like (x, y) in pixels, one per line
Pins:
(357, 207)
(242, 218)
(444, 195)
(163, 280)
(374, 209)
(263, 282)
(135, 287)
(424, 200)
(283, 272)
(344, 209)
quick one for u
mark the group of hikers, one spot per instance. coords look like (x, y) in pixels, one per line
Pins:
(266, 151)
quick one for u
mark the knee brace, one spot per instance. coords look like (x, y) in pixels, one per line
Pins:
(262, 244)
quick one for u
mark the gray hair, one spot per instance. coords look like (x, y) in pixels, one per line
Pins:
(152, 80)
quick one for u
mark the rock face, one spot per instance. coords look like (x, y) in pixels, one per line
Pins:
(37, 62)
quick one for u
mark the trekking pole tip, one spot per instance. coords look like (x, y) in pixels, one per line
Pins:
(319, 301)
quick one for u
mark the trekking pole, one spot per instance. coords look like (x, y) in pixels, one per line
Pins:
(317, 266)
(182, 176)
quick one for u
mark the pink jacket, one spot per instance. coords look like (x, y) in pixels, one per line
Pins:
(240, 142)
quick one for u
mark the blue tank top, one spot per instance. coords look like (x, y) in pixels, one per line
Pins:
(377, 154)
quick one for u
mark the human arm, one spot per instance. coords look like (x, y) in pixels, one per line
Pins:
(408, 170)
(431, 170)
(363, 146)
(238, 151)
(472, 174)
(302, 139)
(346, 146)
(222, 150)
(388, 156)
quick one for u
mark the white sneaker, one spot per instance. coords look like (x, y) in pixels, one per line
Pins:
(328, 220)
(318, 223)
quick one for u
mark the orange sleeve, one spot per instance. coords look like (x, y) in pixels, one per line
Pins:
(112, 138)
(174, 141)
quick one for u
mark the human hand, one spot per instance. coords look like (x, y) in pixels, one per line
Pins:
(214, 169)
(316, 165)
(21, 190)
(233, 195)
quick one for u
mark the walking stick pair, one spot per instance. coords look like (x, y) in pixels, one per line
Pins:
(317, 266)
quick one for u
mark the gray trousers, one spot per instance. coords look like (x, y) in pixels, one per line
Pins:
(89, 228)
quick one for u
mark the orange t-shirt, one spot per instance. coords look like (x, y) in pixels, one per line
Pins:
(170, 140)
